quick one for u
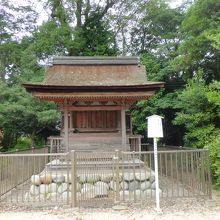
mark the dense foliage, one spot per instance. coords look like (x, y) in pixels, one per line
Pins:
(180, 46)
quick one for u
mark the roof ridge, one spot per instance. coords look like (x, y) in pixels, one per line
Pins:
(95, 60)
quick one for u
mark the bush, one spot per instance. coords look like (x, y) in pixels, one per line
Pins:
(23, 143)
(214, 152)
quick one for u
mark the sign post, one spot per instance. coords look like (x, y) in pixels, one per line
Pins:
(155, 130)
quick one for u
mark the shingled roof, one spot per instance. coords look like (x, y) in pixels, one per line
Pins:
(95, 71)
(94, 74)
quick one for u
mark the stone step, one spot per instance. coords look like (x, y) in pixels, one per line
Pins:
(95, 164)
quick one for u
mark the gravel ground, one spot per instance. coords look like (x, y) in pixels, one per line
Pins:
(178, 209)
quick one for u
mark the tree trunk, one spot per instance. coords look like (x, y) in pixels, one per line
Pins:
(33, 136)
(87, 10)
(78, 13)
(2, 69)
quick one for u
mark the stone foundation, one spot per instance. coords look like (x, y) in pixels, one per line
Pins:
(57, 186)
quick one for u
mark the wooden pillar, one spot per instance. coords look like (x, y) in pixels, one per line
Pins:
(131, 125)
(66, 132)
(123, 130)
(119, 120)
(71, 120)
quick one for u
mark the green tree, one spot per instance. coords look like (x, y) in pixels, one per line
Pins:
(213, 145)
(196, 113)
(157, 38)
(22, 115)
(15, 22)
(200, 46)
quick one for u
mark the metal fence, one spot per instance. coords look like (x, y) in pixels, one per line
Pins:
(102, 178)
(33, 150)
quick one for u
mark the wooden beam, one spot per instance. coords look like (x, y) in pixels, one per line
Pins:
(66, 132)
(94, 108)
(123, 130)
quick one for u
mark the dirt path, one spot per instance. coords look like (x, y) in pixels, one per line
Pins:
(109, 215)
(179, 209)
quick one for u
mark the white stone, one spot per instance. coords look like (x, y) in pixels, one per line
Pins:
(67, 180)
(53, 187)
(44, 189)
(101, 185)
(87, 186)
(112, 185)
(134, 185)
(62, 188)
(124, 185)
(78, 187)
(64, 195)
(92, 178)
(55, 162)
(153, 185)
(34, 190)
(35, 180)
(129, 176)
(119, 178)
(78, 196)
(88, 193)
(150, 175)
(101, 189)
(106, 177)
(151, 178)
(58, 178)
(141, 176)
(145, 185)
(53, 196)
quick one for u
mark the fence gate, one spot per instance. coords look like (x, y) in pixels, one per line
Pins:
(92, 176)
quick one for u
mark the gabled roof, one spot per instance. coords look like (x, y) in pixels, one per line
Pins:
(95, 71)
(94, 74)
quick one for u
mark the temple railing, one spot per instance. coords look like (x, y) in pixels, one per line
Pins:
(135, 142)
(55, 143)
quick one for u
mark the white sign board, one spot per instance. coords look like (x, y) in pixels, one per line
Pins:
(155, 128)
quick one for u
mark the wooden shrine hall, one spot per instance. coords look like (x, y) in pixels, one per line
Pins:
(94, 95)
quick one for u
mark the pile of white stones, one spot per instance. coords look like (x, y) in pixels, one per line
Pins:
(54, 187)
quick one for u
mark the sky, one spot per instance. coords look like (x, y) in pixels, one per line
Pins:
(43, 14)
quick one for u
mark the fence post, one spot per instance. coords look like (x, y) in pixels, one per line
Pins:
(208, 167)
(139, 144)
(133, 162)
(51, 145)
(117, 174)
(73, 178)
(68, 158)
